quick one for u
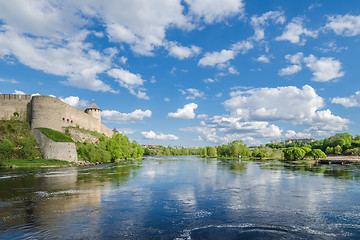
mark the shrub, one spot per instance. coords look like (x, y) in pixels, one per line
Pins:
(6, 149)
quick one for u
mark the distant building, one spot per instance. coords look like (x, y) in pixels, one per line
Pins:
(299, 140)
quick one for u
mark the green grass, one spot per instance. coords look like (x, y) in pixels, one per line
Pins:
(34, 163)
(94, 133)
(55, 135)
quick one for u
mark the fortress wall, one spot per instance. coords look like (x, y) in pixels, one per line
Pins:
(105, 130)
(51, 112)
(55, 150)
(11, 103)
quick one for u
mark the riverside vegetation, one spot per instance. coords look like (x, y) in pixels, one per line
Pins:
(17, 142)
(19, 147)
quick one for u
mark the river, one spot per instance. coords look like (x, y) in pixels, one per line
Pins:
(181, 198)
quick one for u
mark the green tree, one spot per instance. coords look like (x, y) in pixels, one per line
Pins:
(337, 150)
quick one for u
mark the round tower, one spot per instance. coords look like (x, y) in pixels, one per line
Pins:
(94, 111)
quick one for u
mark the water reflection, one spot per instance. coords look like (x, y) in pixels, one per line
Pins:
(182, 198)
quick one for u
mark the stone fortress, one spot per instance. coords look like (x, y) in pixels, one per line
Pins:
(51, 112)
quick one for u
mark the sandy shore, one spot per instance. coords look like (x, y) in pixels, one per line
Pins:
(344, 157)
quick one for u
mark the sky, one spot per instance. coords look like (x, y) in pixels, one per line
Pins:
(191, 72)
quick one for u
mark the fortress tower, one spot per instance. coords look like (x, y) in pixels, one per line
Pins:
(94, 111)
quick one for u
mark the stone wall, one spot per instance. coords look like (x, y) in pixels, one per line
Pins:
(48, 112)
(51, 112)
(55, 150)
(14, 103)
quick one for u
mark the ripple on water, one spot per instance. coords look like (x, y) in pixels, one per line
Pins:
(252, 232)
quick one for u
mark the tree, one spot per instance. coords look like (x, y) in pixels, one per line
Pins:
(294, 153)
(329, 150)
(316, 153)
(337, 150)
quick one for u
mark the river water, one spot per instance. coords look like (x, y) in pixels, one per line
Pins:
(181, 198)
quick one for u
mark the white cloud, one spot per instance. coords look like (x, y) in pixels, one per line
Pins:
(167, 99)
(73, 59)
(75, 101)
(181, 52)
(202, 116)
(192, 93)
(187, 112)
(351, 101)
(3, 80)
(324, 69)
(346, 25)
(289, 70)
(115, 116)
(294, 30)
(215, 11)
(209, 80)
(215, 58)
(293, 134)
(129, 80)
(259, 23)
(161, 136)
(302, 106)
(232, 70)
(19, 92)
(263, 59)
(220, 59)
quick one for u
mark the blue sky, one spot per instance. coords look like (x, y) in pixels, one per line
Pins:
(192, 72)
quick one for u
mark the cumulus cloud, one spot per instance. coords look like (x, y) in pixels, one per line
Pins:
(187, 112)
(129, 80)
(347, 25)
(220, 59)
(294, 30)
(18, 92)
(115, 116)
(181, 52)
(161, 136)
(74, 59)
(192, 93)
(75, 101)
(260, 22)
(302, 106)
(215, 58)
(215, 11)
(324, 69)
(351, 101)
(263, 59)
(289, 70)
(293, 134)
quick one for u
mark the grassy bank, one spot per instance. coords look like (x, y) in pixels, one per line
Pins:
(34, 163)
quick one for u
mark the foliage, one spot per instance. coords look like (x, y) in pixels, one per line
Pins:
(17, 141)
(294, 153)
(55, 135)
(159, 150)
(233, 149)
(315, 154)
(109, 149)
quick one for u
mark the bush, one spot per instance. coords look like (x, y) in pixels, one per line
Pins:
(316, 153)
(6, 149)
(294, 153)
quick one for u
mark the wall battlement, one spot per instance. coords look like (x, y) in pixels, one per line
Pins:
(49, 112)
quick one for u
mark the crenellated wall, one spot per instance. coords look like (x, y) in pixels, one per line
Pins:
(49, 112)
(14, 103)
